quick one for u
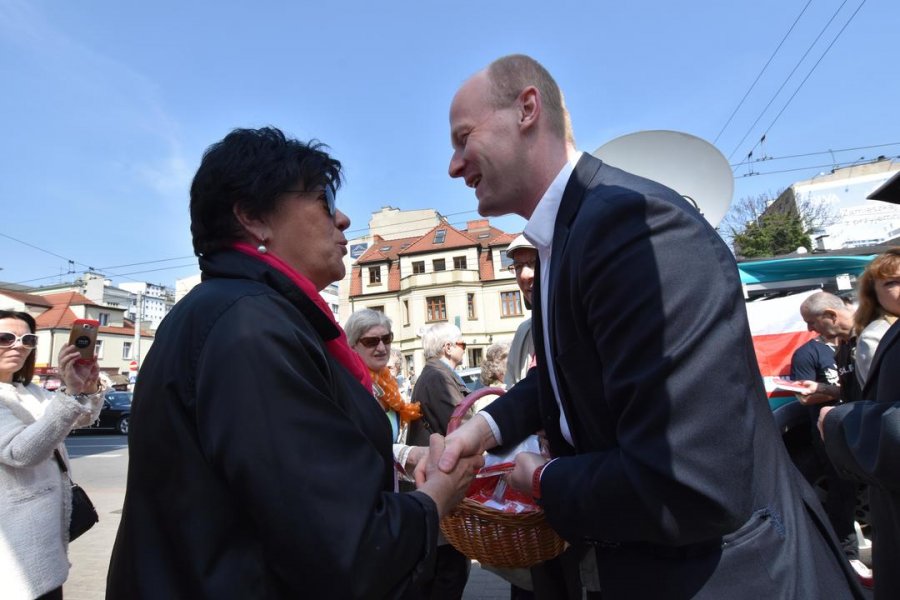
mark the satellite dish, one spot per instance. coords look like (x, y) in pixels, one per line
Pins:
(689, 165)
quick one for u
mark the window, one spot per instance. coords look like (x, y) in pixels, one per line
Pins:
(439, 264)
(98, 349)
(374, 275)
(474, 357)
(377, 308)
(510, 304)
(439, 236)
(436, 309)
(126, 350)
(385, 249)
(418, 266)
(104, 319)
(505, 261)
(406, 312)
(459, 263)
(470, 302)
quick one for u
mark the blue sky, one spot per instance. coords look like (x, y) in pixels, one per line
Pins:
(107, 106)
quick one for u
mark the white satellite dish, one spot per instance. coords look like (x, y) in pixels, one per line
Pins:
(689, 165)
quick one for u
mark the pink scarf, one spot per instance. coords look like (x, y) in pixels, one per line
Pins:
(339, 348)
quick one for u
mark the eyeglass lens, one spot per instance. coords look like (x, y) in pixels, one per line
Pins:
(518, 266)
(372, 341)
(8, 340)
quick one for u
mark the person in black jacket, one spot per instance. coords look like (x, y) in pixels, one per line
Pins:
(260, 464)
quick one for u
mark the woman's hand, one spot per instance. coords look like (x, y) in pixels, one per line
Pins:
(79, 377)
(445, 488)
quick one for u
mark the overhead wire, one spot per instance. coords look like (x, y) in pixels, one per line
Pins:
(788, 78)
(766, 66)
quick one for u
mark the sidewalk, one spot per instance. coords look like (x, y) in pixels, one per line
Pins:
(90, 553)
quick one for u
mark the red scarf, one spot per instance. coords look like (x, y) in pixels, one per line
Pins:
(339, 348)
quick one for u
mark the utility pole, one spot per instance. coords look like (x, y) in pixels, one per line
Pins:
(138, 306)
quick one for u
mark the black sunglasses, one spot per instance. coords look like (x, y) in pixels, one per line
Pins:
(8, 339)
(372, 341)
(330, 201)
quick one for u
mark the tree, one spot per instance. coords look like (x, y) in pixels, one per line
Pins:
(759, 227)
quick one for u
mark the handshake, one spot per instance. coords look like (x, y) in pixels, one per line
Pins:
(446, 468)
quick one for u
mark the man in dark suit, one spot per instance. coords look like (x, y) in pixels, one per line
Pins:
(863, 443)
(668, 464)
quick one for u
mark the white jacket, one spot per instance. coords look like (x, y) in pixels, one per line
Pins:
(35, 498)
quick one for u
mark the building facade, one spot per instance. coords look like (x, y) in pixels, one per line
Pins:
(446, 274)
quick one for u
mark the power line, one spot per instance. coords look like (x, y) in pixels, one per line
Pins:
(766, 66)
(773, 158)
(829, 165)
(788, 78)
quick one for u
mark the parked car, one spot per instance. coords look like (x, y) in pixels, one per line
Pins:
(472, 378)
(116, 412)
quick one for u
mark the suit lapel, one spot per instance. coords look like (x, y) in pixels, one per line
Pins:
(890, 337)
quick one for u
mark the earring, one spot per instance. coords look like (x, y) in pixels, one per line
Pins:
(262, 248)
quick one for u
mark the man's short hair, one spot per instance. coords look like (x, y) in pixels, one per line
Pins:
(819, 302)
(509, 75)
(436, 336)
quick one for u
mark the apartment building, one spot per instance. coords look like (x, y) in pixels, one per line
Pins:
(55, 312)
(444, 275)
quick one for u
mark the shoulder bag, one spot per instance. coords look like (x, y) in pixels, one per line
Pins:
(84, 515)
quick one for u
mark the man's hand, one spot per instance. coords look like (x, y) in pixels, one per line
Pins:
(521, 476)
(817, 393)
(446, 489)
(471, 439)
(825, 410)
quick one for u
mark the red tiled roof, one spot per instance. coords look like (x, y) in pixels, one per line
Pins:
(70, 299)
(454, 238)
(382, 250)
(31, 299)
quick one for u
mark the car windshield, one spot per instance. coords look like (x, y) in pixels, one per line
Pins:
(119, 398)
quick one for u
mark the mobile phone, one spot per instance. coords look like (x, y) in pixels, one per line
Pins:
(84, 337)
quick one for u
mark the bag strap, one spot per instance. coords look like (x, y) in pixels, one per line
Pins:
(60, 461)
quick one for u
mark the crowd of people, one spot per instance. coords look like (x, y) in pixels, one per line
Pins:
(275, 454)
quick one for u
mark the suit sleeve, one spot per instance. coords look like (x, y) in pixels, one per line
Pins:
(311, 481)
(661, 360)
(863, 442)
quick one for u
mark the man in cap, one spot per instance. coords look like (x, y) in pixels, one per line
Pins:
(521, 350)
(668, 463)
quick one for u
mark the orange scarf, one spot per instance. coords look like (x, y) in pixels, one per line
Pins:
(391, 398)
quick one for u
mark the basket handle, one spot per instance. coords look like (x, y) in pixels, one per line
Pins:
(463, 407)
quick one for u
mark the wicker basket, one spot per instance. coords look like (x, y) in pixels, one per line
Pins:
(493, 537)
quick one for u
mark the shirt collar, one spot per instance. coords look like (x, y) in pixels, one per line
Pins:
(539, 229)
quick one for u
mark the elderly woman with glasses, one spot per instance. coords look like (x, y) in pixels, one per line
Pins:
(369, 334)
(260, 465)
(35, 495)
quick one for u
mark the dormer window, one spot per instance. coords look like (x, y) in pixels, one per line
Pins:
(439, 236)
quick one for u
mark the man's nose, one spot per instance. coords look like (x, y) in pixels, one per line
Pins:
(456, 165)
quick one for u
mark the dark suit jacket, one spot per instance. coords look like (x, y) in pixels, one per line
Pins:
(438, 390)
(863, 442)
(678, 474)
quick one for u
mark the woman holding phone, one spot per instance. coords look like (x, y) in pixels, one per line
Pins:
(260, 465)
(35, 497)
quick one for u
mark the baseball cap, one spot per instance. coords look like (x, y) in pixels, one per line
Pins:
(519, 242)
(889, 191)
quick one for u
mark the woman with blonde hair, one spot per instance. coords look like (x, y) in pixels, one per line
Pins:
(879, 307)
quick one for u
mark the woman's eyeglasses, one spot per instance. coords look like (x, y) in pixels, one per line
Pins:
(372, 340)
(8, 339)
(330, 201)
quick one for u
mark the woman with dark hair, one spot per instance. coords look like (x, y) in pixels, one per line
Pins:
(35, 498)
(260, 465)
(879, 307)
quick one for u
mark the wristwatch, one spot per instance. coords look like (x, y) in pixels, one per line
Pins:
(536, 481)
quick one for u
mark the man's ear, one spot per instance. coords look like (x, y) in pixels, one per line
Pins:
(830, 313)
(530, 106)
(255, 227)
